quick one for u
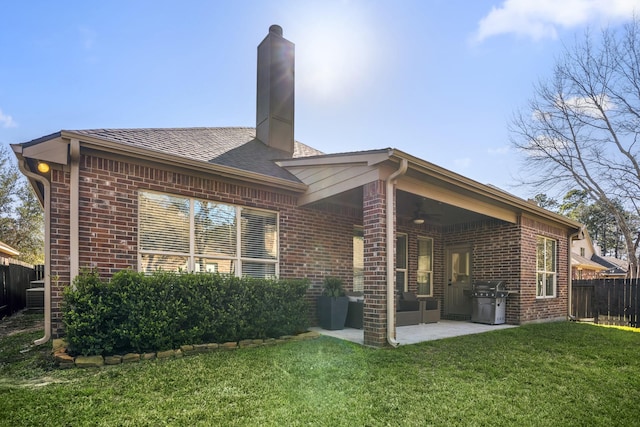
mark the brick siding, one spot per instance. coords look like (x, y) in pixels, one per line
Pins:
(314, 242)
(375, 264)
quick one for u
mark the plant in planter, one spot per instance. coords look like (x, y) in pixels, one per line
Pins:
(332, 304)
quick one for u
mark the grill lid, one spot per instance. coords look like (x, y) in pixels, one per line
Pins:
(489, 288)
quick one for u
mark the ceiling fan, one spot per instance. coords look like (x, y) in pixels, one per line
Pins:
(420, 214)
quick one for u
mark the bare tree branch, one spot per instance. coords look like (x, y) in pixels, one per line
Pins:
(582, 125)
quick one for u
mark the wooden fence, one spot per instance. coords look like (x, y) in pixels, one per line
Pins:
(15, 279)
(607, 301)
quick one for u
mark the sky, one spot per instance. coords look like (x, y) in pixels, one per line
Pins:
(438, 79)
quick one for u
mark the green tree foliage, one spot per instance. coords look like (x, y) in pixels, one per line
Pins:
(546, 202)
(600, 223)
(21, 216)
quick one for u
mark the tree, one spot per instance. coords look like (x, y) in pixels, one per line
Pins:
(545, 201)
(581, 127)
(21, 216)
(600, 223)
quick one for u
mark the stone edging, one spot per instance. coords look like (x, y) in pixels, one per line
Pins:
(64, 360)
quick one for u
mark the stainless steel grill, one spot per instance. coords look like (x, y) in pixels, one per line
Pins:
(489, 302)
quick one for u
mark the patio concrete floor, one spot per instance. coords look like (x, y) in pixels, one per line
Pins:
(418, 333)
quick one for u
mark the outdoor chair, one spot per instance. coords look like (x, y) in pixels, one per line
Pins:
(408, 310)
(355, 312)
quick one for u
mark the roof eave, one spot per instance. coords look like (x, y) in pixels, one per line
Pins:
(158, 156)
(484, 190)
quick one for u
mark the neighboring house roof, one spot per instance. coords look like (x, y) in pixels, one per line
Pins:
(584, 246)
(581, 262)
(615, 266)
(8, 250)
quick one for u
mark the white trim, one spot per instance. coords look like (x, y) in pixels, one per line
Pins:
(430, 294)
(405, 269)
(546, 272)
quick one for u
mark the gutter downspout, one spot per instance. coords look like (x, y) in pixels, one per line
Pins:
(578, 235)
(47, 249)
(74, 206)
(391, 310)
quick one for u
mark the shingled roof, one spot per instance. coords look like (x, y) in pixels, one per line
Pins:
(235, 147)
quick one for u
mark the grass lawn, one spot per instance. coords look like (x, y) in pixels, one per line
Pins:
(560, 374)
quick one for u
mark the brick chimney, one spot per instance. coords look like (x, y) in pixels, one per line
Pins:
(275, 103)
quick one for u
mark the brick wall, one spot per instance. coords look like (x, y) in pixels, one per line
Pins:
(59, 245)
(506, 251)
(314, 242)
(375, 264)
(495, 252)
(535, 309)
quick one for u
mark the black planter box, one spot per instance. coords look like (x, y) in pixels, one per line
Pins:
(332, 312)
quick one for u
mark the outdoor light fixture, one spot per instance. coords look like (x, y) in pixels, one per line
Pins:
(43, 167)
(418, 221)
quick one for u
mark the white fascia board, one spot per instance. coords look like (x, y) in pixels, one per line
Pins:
(369, 158)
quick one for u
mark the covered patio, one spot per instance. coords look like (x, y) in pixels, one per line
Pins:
(414, 334)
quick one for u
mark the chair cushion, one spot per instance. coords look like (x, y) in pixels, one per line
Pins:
(404, 305)
(431, 304)
(409, 296)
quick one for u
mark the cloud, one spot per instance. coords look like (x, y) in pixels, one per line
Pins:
(541, 19)
(581, 106)
(7, 121)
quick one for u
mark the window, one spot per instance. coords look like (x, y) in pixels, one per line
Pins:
(545, 267)
(358, 260)
(401, 263)
(425, 267)
(185, 234)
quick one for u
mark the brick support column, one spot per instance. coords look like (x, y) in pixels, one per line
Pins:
(375, 268)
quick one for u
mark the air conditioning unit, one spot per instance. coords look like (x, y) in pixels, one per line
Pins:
(35, 299)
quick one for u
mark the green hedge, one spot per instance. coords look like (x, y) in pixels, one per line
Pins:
(137, 313)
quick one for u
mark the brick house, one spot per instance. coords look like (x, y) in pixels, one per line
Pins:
(253, 201)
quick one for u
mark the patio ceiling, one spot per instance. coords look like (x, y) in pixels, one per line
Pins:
(434, 212)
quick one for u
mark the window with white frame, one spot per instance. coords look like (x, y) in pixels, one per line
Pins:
(425, 267)
(401, 262)
(546, 250)
(186, 234)
(358, 259)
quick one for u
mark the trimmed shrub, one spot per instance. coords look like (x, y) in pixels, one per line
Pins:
(133, 312)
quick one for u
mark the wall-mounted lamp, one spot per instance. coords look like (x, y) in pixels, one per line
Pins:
(43, 167)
